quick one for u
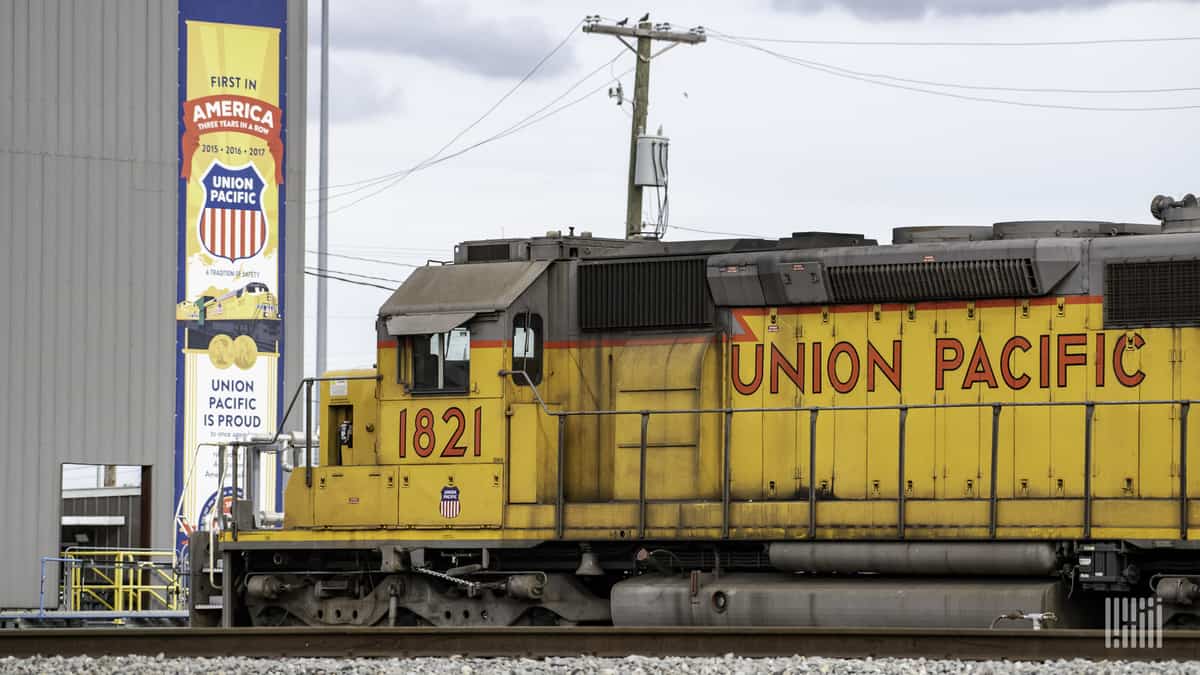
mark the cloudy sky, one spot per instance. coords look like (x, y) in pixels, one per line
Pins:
(761, 144)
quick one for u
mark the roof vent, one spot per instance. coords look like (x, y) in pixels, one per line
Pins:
(923, 235)
(1070, 229)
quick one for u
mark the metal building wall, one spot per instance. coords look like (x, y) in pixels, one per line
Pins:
(88, 166)
(118, 502)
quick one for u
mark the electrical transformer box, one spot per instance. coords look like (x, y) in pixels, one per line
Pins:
(651, 168)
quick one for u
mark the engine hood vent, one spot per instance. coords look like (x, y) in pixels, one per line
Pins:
(949, 280)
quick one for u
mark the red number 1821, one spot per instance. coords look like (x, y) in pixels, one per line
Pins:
(424, 434)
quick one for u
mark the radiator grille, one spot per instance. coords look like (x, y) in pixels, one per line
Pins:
(949, 280)
(1152, 293)
(644, 295)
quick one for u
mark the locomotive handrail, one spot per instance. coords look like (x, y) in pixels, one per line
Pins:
(901, 489)
(851, 408)
(307, 385)
(532, 387)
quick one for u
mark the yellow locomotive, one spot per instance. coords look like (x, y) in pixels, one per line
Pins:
(815, 430)
(252, 301)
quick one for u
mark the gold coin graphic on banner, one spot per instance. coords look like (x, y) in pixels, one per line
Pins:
(221, 351)
(245, 352)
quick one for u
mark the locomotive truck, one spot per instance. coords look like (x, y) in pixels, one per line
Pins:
(969, 424)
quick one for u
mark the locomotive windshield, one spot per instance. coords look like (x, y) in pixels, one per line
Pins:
(441, 361)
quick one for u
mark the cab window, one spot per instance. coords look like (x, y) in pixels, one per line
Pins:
(527, 347)
(442, 361)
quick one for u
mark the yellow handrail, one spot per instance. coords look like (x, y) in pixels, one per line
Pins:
(122, 580)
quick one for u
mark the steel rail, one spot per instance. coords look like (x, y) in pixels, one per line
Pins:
(973, 644)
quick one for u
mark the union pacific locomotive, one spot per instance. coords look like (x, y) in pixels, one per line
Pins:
(969, 425)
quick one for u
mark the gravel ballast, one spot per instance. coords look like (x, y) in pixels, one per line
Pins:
(633, 665)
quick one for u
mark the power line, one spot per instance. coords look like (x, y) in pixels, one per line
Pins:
(398, 249)
(945, 94)
(396, 176)
(365, 259)
(954, 85)
(897, 43)
(728, 234)
(537, 66)
(311, 268)
(514, 128)
(349, 281)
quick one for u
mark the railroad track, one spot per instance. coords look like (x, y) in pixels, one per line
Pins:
(596, 641)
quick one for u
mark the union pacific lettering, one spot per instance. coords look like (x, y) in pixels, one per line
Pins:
(1058, 360)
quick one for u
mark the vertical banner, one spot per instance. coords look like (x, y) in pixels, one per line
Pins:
(229, 329)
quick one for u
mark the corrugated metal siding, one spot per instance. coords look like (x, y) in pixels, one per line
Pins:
(88, 160)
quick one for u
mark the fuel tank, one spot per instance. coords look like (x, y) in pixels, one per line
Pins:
(975, 559)
(769, 599)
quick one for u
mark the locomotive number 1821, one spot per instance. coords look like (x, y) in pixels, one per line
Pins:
(424, 432)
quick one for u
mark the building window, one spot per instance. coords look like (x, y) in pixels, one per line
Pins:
(442, 361)
(527, 347)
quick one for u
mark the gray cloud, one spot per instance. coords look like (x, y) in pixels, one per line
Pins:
(443, 32)
(916, 9)
(355, 94)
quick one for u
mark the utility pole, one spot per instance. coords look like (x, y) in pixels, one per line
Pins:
(646, 33)
(323, 205)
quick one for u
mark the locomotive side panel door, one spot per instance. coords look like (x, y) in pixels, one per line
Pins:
(1022, 368)
(958, 439)
(449, 450)
(783, 380)
(997, 327)
(846, 349)
(1151, 354)
(746, 374)
(1115, 428)
(532, 454)
(883, 367)
(447, 435)
(918, 336)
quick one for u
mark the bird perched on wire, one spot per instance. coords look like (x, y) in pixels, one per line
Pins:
(645, 17)
(624, 21)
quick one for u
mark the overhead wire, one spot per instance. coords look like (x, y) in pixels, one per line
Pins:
(397, 176)
(975, 87)
(946, 94)
(903, 43)
(365, 259)
(512, 129)
(314, 268)
(349, 281)
(718, 232)
(536, 67)
(399, 250)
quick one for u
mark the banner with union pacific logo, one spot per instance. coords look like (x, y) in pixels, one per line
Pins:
(232, 115)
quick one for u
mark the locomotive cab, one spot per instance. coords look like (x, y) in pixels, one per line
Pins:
(452, 427)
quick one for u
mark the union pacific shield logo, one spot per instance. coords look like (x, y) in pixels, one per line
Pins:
(232, 223)
(450, 504)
